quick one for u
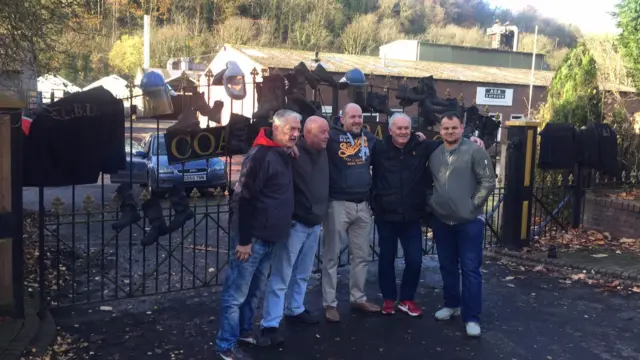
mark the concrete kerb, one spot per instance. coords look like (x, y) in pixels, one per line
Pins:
(556, 264)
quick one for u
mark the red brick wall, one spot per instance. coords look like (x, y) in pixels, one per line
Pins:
(467, 89)
(620, 218)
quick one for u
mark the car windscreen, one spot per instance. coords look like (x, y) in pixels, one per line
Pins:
(158, 146)
(132, 147)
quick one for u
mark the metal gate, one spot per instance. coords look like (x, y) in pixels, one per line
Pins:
(81, 259)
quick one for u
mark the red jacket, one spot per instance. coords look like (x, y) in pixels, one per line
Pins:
(26, 125)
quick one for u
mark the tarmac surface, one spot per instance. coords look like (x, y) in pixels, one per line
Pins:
(526, 316)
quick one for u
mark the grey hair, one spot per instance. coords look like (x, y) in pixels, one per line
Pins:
(397, 116)
(280, 115)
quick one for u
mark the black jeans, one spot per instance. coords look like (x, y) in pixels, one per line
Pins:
(410, 236)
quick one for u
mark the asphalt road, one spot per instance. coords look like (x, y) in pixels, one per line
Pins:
(526, 316)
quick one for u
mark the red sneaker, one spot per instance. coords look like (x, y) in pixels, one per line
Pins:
(410, 308)
(389, 307)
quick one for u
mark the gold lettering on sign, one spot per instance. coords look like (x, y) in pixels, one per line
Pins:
(196, 144)
(191, 146)
(174, 147)
(378, 131)
(223, 142)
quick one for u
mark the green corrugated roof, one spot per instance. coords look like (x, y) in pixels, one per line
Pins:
(288, 58)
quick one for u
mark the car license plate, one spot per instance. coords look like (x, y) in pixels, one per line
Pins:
(195, 177)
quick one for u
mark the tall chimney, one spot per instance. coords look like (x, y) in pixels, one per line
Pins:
(147, 41)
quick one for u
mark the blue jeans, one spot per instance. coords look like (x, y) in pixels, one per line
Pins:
(292, 266)
(410, 236)
(461, 244)
(243, 288)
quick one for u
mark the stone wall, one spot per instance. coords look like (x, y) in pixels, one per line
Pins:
(620, 218)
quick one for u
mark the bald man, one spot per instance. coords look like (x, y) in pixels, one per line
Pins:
(262, 207)
(293, 259)
(349, 152)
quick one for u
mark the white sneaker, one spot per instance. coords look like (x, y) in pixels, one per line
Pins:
(446, 313)
(473, 329)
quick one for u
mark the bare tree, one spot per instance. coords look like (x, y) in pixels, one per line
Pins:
(237, 31)
(359, 38)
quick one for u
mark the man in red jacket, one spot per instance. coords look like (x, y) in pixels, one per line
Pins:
(262, 208)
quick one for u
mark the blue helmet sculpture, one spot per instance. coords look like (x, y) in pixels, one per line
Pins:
(357, 86)
(157, 94)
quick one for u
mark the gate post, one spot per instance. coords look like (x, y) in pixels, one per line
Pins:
(577, 193)
(519, 184)
(11, 250)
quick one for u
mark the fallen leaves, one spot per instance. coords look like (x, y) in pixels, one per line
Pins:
(540, 268)
(56, 273)
(626, 195)
(575, 239)
(64, 347)
(567, 277)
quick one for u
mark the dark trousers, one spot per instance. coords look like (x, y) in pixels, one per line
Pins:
(410, 236)
(460, 246)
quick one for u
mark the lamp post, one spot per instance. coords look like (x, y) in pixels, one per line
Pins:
(209, 75)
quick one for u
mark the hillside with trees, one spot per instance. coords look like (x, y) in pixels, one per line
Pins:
(76, 38)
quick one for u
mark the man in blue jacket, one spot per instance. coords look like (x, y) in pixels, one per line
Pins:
(262, 208)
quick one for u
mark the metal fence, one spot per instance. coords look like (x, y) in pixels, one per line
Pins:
(82, 260)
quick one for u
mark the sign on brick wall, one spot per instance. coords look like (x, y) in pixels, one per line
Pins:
(494, 96)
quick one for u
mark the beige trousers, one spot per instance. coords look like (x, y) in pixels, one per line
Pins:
(354, 221)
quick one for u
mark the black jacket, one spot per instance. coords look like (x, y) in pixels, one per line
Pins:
(74, 139)
(310, 185)
(349, 164)
(558, 147)
(599, 148)
(401, 179)
(263, 197)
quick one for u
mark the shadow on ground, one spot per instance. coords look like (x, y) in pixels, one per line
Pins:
(527, 316)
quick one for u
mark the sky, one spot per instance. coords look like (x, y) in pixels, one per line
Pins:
(591, 18)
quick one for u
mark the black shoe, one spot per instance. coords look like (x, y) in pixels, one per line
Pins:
(128, 207)
(153, 212)
(379, 103)
(271, 96)
(305, 317)
(188, 120)
(181, 208)
(409, 95)
(270, 337)
(233, 354)
(237, 133)
(303, 72)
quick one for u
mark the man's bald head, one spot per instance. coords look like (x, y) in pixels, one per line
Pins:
(316, 132)
(352, 118)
